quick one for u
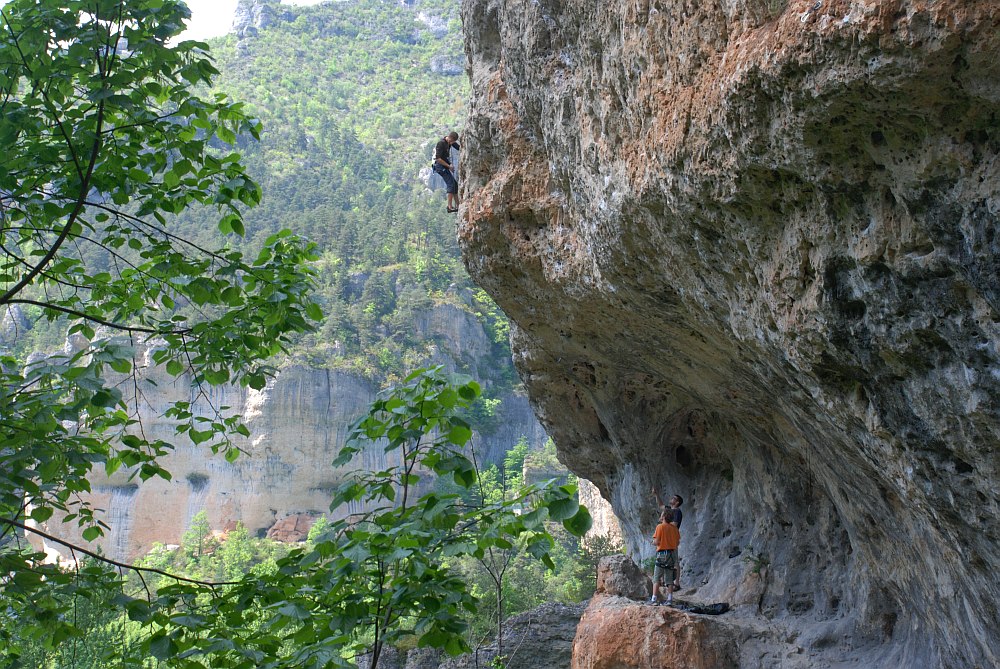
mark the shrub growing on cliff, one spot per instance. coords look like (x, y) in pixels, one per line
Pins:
(104, 142)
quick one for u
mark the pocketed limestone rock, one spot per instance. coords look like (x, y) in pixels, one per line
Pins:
(750, 252)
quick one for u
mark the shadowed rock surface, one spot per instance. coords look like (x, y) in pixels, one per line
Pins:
(750, 251)
(540, 638)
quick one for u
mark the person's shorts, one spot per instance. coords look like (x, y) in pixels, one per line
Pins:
(665, 567)
(450, 184)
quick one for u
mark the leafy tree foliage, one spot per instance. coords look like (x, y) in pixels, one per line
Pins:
(104, 142)
(368, 579)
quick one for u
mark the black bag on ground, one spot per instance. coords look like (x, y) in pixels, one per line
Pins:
(704, 609)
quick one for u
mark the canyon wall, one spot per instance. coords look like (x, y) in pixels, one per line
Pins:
(297, 424)
(750, 251)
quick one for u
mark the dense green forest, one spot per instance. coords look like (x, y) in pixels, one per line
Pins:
(352, 96)
(351, 104)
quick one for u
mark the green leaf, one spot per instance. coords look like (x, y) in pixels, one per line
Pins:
(563, 508)
(162, 647)
(580, 523)
(122, 366)
(459, 435)
(105, 399)
(201, 436)
(314, 311)
(41, 513)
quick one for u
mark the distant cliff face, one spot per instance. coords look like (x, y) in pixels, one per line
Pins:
(297, 425)
(751, 253)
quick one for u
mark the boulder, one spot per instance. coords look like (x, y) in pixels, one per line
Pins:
(620, 576)
(291, 529)
(617, 633)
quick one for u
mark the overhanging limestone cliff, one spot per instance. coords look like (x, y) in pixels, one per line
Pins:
(751, 252)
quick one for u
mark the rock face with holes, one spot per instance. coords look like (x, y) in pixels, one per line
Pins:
(751, 253)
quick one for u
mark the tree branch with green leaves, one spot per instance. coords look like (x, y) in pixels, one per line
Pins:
(108, 135)
(383, 570)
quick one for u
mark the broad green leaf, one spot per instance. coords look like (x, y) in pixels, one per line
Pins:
(563, 508)
(580, 523)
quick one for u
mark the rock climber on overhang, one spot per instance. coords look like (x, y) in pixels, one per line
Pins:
(444, 167)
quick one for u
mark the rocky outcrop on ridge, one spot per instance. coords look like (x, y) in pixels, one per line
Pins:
(750, 252)
(252, 16)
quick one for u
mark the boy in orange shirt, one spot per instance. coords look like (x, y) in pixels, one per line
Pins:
(666, 538)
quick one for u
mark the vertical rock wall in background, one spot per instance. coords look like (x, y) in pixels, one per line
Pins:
(297, 424)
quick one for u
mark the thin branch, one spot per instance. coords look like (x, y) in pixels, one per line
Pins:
(99, 321)
(114, 563)
(135, 220)
(10, 528)
(85, 177)
(45, 275)
(139, 124)
(70, 221)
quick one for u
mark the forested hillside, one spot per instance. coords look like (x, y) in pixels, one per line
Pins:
(351, 97)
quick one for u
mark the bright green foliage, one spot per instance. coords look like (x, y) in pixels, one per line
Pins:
(98, 632)
(527, 582)
(378, 576)
(103, 142)
(544, 458)
(502, 567)
(513, 462)
(198, 540)
(206, 557)
(318, 529)
(510, 581)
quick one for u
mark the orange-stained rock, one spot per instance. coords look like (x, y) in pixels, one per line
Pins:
(292, 528)
(749, 254)
(619, 633)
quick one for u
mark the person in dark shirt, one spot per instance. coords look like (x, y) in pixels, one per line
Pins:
(675, 517)
(442, 167)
